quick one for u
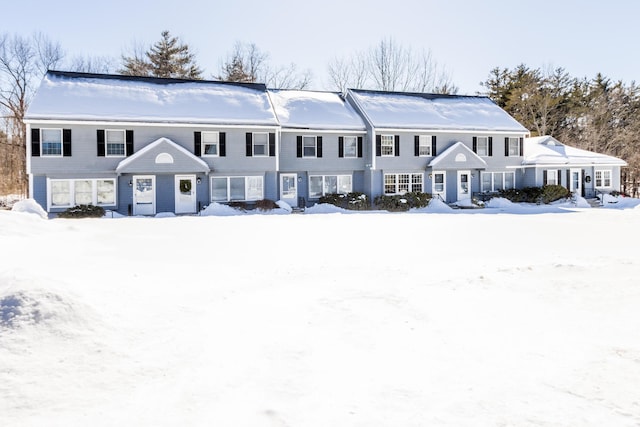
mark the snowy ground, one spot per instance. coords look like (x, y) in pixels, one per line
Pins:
(505, 316)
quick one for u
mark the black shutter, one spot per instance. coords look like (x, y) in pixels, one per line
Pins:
(506, 146)
(272, 144)
(319, 146)
(490, 146)
(475, 144)
(340, 146)
(197, 143)
(559, 177)
(299, 146)
(544, 177)
(378, 145)
(416, 145)
(522, 146)
(35, 142)
(222, 139)
(433, 145)
(359, 146)
(397, 147)
(66, 142)
(100, 141)
(129, 144)
(249, 146)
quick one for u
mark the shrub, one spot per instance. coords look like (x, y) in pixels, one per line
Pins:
(354, 201)
(266, 205)
(545, 194)
(83, 211)
(241, 206)
(551, 193)
(404, 202)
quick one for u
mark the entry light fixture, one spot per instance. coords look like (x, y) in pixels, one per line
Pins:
(198, 180)
(130, 183)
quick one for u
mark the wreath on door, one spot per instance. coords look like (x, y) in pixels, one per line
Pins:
(185, 186)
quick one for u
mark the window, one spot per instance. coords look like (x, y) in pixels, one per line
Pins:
(69, 193)
(321, 185)
(482, 147)
(424, 145)
(552, 177)
(260, 144)
(496, 181)
(115, 143)
(309, 146)
(211, 144)
(240, 188)
(386, 144)
(51, 142)
(402, 183)
(603, 178)
(350, 146)
(512, 147)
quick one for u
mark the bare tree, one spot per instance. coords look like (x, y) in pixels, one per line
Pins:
(23, 62)
(390, 66)
(247, 63)
(92, 64)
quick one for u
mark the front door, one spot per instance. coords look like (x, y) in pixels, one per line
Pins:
(289, 188)
(576, 181)
(185, 194)
(464, 185)
(144, 195)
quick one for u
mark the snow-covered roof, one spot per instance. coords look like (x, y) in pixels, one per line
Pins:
(82, 96)
(314, 110)
(401, 110)
(546, 150)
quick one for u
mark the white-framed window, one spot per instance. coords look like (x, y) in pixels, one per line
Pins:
(321, 185)
(513, 147)
(438, 185)
(237, 188)
(260, 144)
(114, 142)
(211, 144)
(350, 146)
(51, 142)
(482, 146)
(603, 178)
(424, 145)
(387, 145)
(309, 146)
(66, 193)
(552, 177)
(495, 181)
(400, 183)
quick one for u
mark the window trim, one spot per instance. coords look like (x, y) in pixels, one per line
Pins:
(106, 143)
(603, 179)
(42, 154)
(355, 147)
(517, 146)
(228, 188)
(315, 146)
(493, 180)
(397, 183)
(391, 138)
(203, 149)
(428, 143)
(72, 192)
(478, 139)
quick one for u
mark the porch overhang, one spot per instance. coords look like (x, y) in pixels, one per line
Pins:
(458, 156)
(163, 156)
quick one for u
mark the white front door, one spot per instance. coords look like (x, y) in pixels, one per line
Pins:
(464, 185)
(575, 181)
(185, 194)
(144, 195)
(289, 188)
(439, 184)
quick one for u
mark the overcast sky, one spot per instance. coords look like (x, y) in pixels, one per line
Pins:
(468, 38)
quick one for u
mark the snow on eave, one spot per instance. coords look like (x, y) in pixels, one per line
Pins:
(547, 151)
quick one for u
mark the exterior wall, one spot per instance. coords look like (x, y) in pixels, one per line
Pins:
(534, 177)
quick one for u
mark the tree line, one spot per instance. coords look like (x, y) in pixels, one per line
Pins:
(596, 114)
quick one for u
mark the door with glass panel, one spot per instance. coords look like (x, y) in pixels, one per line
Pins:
(576, 181)
(289, 188)
(464, 185)
(144, 195)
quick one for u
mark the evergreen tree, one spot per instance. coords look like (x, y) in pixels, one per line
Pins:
(166, 58)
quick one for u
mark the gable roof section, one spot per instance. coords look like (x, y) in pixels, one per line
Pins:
(546, 150)
(163, 156)
(304, 109)
(404, 110)
(458, 156)
(106, 97)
